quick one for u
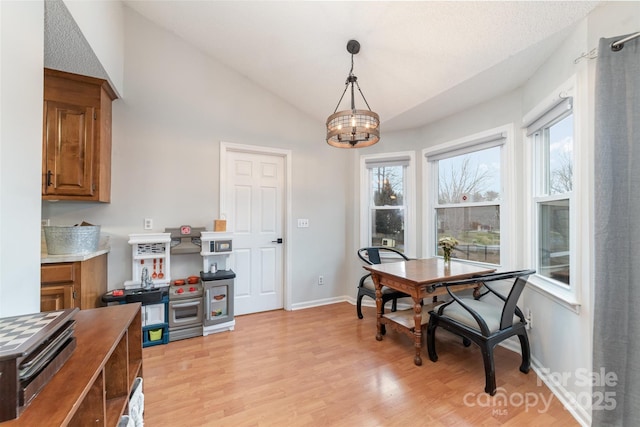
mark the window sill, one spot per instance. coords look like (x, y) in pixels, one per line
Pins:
(554, 292)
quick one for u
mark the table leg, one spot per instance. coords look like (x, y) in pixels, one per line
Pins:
(417, 332)
(376, 282)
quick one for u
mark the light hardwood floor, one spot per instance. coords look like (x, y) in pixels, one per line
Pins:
(323, 367)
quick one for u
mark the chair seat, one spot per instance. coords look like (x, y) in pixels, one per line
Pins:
(490, 312)
(368, 284)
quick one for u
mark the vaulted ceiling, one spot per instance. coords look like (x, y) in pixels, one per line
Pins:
(419, 60)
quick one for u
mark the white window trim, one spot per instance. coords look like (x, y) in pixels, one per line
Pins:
(579, 200)
(508, 251)
(409, 197)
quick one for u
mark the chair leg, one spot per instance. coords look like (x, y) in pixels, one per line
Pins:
(489, 369)
(526, 353)
(431, 339)
(359, 305)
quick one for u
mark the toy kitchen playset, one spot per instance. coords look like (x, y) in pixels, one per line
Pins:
(175, 309)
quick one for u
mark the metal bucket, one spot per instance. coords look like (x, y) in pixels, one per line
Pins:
(67, 240)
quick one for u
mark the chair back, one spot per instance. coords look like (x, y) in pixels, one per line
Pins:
(371, 255)
(510, 305)
(509, 308)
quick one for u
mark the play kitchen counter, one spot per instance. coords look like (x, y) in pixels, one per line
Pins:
(93, 386)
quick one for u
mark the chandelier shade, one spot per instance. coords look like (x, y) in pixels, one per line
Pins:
(353, 128)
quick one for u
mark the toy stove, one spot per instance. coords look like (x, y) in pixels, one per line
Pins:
(185, 309)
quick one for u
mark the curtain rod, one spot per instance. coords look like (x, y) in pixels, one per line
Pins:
(618, 45)
(615, 46)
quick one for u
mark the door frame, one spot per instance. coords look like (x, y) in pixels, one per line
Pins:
(226, 147)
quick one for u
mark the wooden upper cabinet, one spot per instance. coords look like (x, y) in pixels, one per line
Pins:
(76, 148)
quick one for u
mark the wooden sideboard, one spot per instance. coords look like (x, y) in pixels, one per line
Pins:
(93, 386)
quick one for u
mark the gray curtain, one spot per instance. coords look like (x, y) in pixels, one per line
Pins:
(616, 340)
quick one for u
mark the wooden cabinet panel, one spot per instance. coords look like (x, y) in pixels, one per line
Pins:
(73, 284)
(56, 297)
(68, 154)
(76, 147)
(57, 273)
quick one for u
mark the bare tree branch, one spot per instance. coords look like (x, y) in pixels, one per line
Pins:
(463, 180)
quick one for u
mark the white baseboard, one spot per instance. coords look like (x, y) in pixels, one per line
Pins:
(319, 302)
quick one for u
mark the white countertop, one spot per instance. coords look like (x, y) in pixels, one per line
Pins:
(49, 259)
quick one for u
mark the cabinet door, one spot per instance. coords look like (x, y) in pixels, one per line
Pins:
(56, 297)
(68, 149)
(153, 314)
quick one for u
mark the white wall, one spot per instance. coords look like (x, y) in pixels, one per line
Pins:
(101, 23)
(178, 105)
(21, 60)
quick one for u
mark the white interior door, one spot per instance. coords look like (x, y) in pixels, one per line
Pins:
(254, 206)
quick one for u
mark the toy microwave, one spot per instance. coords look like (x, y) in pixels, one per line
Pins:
(220, 246)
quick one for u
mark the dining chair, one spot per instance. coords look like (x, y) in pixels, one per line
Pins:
(483, 320)
(373, 255)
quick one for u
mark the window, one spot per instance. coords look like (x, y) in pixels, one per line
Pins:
(386, 184)
(468, 199)
(552, 136)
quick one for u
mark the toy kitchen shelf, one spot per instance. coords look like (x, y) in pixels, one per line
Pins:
(150, 250)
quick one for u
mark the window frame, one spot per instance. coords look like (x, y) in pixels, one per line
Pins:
(408, 198)
(568, 295)
(500, 136)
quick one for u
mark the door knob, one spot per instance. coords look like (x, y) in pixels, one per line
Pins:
(277, 241)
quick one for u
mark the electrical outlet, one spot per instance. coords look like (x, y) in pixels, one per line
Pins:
(148, 224)
(45, 222)
(303, 223)
(529, 318)
(320, 280)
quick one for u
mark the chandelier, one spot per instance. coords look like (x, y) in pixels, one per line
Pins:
(353, 128)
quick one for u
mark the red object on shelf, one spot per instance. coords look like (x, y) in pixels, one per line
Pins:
(118, 293)
(192, 289)
(181, 290)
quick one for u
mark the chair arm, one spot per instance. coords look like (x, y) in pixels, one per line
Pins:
(362, 279)
(482, 325)
(481, 278)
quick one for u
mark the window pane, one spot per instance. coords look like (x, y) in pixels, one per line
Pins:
(388, 228)
(471, 177)
(387, 186)
(553, 238)
(477, 229)
(560, 156)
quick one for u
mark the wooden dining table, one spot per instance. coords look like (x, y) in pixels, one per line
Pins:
(417, 279)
